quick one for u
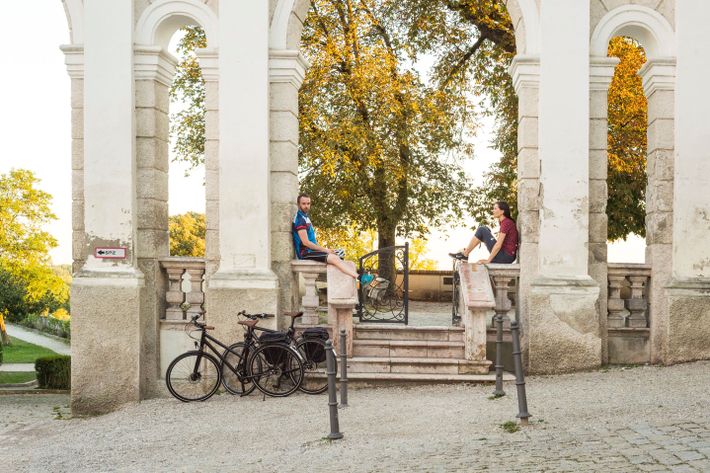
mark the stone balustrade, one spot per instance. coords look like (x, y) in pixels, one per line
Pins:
(504, 278)
(310, 271)
(185, 295)
(628, 304)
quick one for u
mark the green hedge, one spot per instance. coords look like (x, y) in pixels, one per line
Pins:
(1, 352)
(54, 372)
(60, 328)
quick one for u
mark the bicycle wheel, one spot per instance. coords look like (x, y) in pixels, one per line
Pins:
(276, 369)
(193, 376)
(239, 382)
(315, 380)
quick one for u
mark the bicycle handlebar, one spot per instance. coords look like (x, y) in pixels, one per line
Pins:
(255, 316)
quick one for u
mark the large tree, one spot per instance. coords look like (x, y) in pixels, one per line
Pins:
(28, 283)
(380, 145)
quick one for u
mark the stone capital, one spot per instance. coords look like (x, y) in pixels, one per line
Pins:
(287, 66)
(601, 72)
(525, 71)
(209, 63)
(658, 74)
(74, 60)
(154, 63)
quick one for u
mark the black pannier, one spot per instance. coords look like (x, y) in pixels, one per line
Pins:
(315, 351)
(273, 355)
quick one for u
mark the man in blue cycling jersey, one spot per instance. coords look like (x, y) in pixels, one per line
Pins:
(305, 243)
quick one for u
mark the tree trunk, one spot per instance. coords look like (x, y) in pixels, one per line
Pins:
(386, 261)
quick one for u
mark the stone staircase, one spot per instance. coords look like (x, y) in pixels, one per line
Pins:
(404, 353)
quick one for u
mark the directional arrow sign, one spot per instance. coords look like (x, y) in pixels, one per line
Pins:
(110, 253)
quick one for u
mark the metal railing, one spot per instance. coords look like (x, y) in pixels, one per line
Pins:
(383, 295)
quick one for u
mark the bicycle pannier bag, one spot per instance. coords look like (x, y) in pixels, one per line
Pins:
(315, 351)
(272, 354)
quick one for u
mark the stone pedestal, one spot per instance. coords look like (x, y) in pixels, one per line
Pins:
(342, 297)
(563, 327)
(688, 320)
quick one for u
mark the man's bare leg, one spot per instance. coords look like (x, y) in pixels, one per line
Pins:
(338, 263)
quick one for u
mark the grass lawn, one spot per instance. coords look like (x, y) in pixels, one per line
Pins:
(23, 352)
(10, 377)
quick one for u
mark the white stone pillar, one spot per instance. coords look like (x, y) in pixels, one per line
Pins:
(106, 294)
(525, 71)
(74, 60)
(286, 72)
(154, 71)
(208, 59)
(658, 75)
(600, 77)
(244, 279)
(689, 290)
(563, 326)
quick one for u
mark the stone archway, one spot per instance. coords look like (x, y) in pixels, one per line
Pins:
(653, 31)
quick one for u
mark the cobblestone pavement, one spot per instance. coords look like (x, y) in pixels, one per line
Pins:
(617, 420)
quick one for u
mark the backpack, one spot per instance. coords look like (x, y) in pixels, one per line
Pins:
(315, 351)
(273, 355)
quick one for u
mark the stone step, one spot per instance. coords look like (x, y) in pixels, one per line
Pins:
(403, 332)
(408, 348)
(389, 379)
(442, 366)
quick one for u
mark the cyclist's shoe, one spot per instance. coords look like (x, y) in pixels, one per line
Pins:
(459, 256)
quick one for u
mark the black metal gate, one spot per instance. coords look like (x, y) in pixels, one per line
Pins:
(383, 294)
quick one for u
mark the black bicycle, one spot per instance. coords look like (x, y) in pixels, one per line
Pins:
(310, 345)
(276, 369)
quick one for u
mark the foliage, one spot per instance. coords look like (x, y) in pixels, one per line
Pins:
(24, 352)
(379, 146)
(54, 372)
(627, 142)
(187, 234)
(55, 324)
(24, 212)
(187, 128)
(357, 244)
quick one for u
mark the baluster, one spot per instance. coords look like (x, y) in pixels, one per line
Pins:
(310, 299)
(637, 304)
(615, 304)
(195, 297)
(174, 296)
(501, 283)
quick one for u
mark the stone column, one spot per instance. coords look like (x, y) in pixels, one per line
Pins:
(74, 60)
(601, 74)
(563, 327)
(244, 279)
(208, 59)
(689, 289)
(658, 77)
(525, 71)
(154, 71)
(286, 72)
(106, 294)
(342, 297)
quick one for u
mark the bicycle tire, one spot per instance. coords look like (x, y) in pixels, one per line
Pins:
(316, 369)
(175, 379)
(268, 371)
(231, 381)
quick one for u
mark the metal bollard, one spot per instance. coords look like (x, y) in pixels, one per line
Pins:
(523, 414)
(499, 354)
(343, 369)
(332, 396)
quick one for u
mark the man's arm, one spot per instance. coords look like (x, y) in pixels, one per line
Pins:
(303, 235)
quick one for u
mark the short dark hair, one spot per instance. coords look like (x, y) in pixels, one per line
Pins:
(300, 196)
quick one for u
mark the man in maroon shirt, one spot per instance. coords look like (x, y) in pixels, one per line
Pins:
(504, 249)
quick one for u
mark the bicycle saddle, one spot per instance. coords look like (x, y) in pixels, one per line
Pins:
(248, 323)
(293, 314)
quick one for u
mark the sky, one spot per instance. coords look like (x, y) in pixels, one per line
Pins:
(35, 132)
